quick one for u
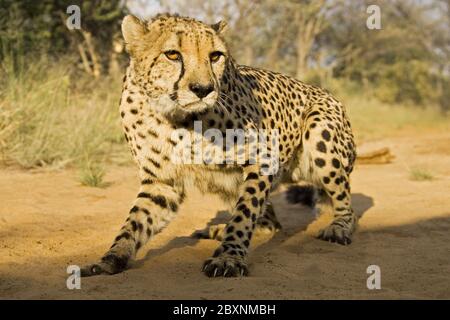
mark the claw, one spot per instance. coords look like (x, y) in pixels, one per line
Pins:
(92, 270)
(215, 272)
(335, 234)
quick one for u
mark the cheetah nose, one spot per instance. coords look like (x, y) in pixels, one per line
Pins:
(201, 91)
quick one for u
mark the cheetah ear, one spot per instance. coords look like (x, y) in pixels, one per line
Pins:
(220, 27)
(133, 31)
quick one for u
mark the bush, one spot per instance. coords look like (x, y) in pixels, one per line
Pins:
(407, 82)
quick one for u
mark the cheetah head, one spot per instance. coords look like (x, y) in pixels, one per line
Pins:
(177, 62)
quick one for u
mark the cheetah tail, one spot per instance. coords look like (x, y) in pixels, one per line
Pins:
(305, 195)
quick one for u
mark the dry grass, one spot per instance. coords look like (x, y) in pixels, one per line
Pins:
(420, 174)
(51, 117)
(372, 119)
(92, 175)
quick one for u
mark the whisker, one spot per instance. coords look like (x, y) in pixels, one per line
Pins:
(222, 106)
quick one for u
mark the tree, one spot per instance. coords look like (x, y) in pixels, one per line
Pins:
(402, 62)
(310, 21)
(39, 27)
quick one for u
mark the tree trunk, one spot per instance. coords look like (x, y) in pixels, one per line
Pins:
(309, 18)
(272, 55)
(117, 49)
(96, 67)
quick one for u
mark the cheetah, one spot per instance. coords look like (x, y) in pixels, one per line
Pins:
(181, 72)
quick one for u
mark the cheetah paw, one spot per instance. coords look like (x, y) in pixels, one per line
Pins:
(336, 233)
(109, 264)
(226, 266)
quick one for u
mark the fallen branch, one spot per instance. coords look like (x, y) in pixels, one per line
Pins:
(380, 156)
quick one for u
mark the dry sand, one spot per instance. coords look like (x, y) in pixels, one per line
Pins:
(48, 221)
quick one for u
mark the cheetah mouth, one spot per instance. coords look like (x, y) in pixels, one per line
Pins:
(195, 105)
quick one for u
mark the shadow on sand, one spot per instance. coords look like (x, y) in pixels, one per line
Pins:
(293, 218)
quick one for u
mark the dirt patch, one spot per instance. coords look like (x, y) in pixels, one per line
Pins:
(49, 221)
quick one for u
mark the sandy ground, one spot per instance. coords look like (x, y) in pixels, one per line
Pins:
(48, 221)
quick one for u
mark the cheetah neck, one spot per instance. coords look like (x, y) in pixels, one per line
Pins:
(229, 77)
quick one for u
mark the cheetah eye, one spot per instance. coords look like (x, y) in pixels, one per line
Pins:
(215, 56)
(173, 55)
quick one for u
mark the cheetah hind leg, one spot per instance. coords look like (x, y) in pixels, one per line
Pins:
(267, 223)
(344, 222)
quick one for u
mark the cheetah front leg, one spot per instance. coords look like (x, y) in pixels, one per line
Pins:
(155, 206)
(229, 259)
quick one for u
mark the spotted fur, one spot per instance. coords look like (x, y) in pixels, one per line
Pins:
(181, 71)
